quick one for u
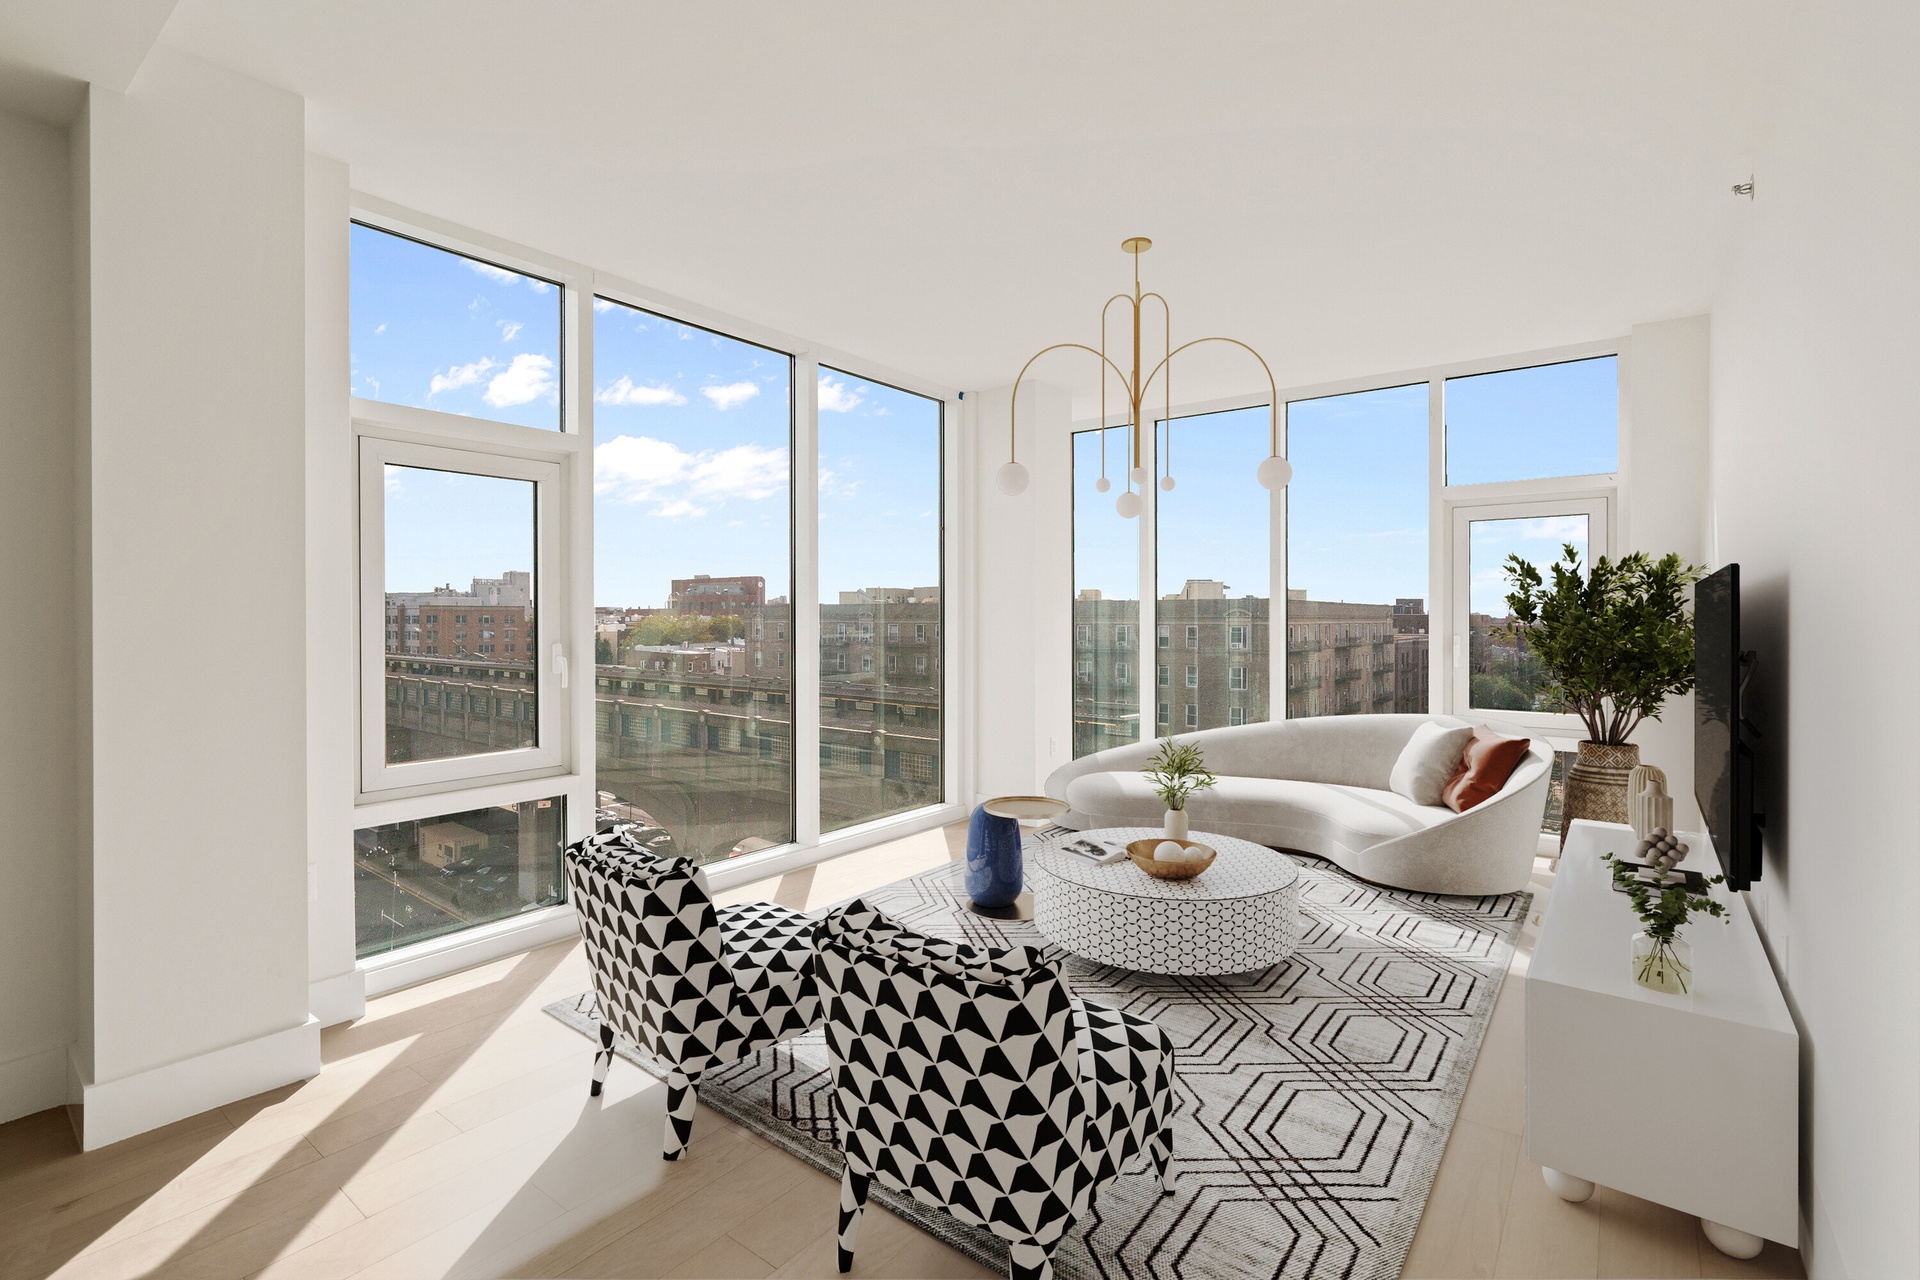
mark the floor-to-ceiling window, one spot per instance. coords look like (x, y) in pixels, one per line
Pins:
(1214, 571)
(1357, 568)
(693, 569)
(463, 509)
(882, 626)
(1110, 660)
(1530, 456)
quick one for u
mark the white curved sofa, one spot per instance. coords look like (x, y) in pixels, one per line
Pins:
(1320, 786)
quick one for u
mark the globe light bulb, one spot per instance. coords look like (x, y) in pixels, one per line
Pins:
(1274, 473)
(1138, 475)
(1011, 479)
(1128, 506)
(1102, 485)
(1166, 484)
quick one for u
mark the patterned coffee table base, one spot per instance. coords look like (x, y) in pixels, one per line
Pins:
(1173, 927)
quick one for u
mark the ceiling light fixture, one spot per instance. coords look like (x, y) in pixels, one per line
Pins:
(1273, 473)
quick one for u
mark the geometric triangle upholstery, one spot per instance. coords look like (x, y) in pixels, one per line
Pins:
(687, 983)
(973, 1079)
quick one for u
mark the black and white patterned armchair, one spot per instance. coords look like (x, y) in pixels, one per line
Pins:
(975, 1080)
(693, 985)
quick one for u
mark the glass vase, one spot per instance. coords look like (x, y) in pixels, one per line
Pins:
(1663, 964)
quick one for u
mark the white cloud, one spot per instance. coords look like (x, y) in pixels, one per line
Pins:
(528, 378)
(394, 484)
(508, 328)
(643, 469)
(492, 272)
(838, 397)
(380, 328)
(461, 375)
(1558, 528)
(538, 286)
(731, 395)
(625, 392)
(601, 304)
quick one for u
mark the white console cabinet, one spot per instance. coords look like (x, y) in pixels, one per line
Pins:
(1688, 1101)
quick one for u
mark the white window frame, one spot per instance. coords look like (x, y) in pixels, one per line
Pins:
(551, 754)
(1595, 504)
(1441, 498)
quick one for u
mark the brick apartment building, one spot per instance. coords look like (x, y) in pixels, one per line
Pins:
(492, 620)
(709, 597)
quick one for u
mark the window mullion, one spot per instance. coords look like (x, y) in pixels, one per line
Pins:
(806, 599)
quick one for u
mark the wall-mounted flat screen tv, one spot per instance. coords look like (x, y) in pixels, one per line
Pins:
(1722, 756)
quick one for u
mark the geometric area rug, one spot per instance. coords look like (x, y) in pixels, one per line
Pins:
(1314, 1099)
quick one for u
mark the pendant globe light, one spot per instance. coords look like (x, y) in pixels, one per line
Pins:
(1273, 473)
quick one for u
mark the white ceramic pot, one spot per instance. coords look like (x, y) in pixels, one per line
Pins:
(1175, 827)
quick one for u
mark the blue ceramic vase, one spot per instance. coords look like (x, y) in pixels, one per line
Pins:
(993, 860)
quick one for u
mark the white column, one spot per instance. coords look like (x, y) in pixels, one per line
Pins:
(195, 442)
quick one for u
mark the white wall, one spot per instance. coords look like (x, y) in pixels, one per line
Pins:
(37, 945)
(1814, 459)
(195, 567)
(1663, 503)
(337, 990)
(1023, 618)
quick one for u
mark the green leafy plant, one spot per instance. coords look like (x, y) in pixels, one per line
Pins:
(1665, 914)
(1616, 641)
(1176, 771)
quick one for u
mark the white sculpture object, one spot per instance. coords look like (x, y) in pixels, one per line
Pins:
(1649, 807)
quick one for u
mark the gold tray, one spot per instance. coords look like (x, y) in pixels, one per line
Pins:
(1028, 811)
(1141, 851)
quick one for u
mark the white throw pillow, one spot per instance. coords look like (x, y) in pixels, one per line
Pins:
(1430, 758)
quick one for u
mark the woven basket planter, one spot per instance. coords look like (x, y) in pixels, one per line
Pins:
(1597, 784)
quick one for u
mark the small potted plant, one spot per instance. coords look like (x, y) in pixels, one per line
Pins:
(1176, 771)
(1616, 642)
(1662, 959)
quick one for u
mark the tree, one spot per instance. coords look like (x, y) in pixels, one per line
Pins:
(686, 628)
(1616, 642)
(603, 651)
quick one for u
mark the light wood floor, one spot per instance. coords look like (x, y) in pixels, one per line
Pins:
(450, 1133)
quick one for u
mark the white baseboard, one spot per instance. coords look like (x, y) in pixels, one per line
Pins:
(33, 1083)
(730, 873)
(438, 957)
(341, 998)
(134, 1104)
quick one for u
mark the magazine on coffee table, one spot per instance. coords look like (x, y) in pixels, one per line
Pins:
(1094, 850)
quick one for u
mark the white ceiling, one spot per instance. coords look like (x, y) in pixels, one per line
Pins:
(1352, 188)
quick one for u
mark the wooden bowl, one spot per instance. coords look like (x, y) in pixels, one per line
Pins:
(1141, 851)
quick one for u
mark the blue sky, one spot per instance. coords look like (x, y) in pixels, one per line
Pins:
(691, 466)
(1357, 507)
(1490, 542)
(1523, 424)
(691, 458)
(1215, 522)
(692, 435)
(879, 486)
(438, 331)
(445, 528)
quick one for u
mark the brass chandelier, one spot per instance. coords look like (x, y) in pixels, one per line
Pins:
(1273, 472)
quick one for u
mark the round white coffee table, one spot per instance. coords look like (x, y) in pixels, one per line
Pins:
(1241, 913)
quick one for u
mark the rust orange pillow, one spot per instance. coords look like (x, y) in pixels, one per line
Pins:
(1485, 766)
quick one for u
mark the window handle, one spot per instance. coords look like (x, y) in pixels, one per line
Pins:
(560, 664)
(1459, 650)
